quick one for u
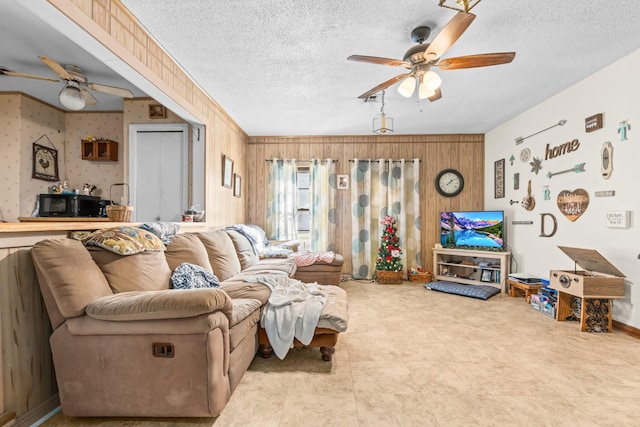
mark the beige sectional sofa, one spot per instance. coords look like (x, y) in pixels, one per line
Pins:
(125, 344)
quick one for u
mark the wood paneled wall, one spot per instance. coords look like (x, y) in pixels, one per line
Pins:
(436, 152)
(116, 28)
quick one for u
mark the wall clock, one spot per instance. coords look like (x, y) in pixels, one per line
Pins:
(45, 163)
(525, 154)
(449, 182)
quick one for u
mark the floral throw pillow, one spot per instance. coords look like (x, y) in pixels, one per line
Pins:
(276, 251)
(124, 240)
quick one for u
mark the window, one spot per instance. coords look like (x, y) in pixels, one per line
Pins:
(303, 210)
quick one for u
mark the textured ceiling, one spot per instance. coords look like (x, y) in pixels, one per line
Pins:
(280, 68)
(25, 37)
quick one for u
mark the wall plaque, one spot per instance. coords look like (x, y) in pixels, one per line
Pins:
(498, 176)
(593, 123)
(573, 204)
(617, 219)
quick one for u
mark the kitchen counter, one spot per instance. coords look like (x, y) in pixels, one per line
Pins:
(18, 234)
(61, 219)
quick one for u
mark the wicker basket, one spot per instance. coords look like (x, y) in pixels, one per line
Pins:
(389, 277)
(119, 213)
(425, 277)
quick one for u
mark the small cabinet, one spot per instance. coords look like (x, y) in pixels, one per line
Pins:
(472, 267)
(100, 150)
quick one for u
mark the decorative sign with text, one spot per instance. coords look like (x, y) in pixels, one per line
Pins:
(593, 123)
(617, 219)
(573, 204)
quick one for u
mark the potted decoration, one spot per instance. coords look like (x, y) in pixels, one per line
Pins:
(388, 265)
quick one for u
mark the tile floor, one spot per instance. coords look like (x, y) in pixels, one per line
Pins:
(413, 357)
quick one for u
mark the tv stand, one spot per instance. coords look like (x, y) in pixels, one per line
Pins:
(472, 267)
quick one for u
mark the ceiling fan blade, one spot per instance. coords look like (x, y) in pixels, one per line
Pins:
(437, 95)
(118, 91)
(90, 100)
(57, 68)
(29, 76)
(384, 85)
(380, 61)
(474, 61)
(449, 34)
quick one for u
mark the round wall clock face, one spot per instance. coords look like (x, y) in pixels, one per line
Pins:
(525, 154)
(449, 182)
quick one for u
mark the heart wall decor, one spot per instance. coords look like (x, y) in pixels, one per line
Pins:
(573, 204)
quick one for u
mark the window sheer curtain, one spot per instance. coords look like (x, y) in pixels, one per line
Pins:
(323, 205)
(378, 188)
(281, 200)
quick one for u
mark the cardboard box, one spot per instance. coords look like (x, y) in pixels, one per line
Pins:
(598, 279)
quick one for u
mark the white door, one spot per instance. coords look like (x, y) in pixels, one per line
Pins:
(158, 171)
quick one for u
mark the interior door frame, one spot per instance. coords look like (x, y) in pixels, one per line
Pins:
(134, 129)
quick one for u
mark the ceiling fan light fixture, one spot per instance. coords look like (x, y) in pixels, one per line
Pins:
(382, 124)
(407, 87)
(431, 80)
(71, 97)
(460, 5)
(424, 92)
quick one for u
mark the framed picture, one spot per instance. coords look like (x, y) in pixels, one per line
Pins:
(227, 172)
(498, 176)
(486, 275)
(516, 181)
(343, 182)
(157, 111)
(237, 182)
(45, 163)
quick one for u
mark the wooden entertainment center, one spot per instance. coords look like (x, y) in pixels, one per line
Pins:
(472, 267)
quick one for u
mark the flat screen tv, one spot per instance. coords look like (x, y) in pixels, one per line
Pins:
(481, 230)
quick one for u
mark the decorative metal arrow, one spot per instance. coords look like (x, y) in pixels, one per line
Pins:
(577, 169)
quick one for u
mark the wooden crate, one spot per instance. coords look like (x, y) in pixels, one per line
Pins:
(389, 277)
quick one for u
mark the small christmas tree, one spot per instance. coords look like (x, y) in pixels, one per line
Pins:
(389, 251)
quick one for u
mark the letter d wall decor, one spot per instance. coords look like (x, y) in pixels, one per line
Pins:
(555, 225)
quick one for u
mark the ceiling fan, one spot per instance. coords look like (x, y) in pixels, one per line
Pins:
(420, 58)
(74, 95)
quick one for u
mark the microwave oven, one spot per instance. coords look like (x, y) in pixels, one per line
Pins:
(69, 205)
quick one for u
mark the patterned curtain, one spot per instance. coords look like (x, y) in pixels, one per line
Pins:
(281, 200)
(323, 205)
(378, 188)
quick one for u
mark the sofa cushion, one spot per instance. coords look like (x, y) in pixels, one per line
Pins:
(187, 247)
(222, 254)
(66, 269)
(243, 330)
(124, 240)
(144, 271)
(244, 249)
(236, 288)
(170, 304)
(191, 276)
(243, 308)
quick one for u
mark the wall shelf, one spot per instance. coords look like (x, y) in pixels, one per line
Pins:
(100, 150)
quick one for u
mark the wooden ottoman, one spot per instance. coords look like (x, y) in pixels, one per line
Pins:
(321, 272)
(333, 320)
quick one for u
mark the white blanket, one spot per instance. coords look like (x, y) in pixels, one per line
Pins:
(292, 311)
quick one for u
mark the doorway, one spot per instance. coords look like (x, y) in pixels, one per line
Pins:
(158, 171)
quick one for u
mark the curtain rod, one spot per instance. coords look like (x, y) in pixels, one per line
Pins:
(384, 160)
(313, 160)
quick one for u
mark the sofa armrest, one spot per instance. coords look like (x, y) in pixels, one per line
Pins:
(156, 305)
